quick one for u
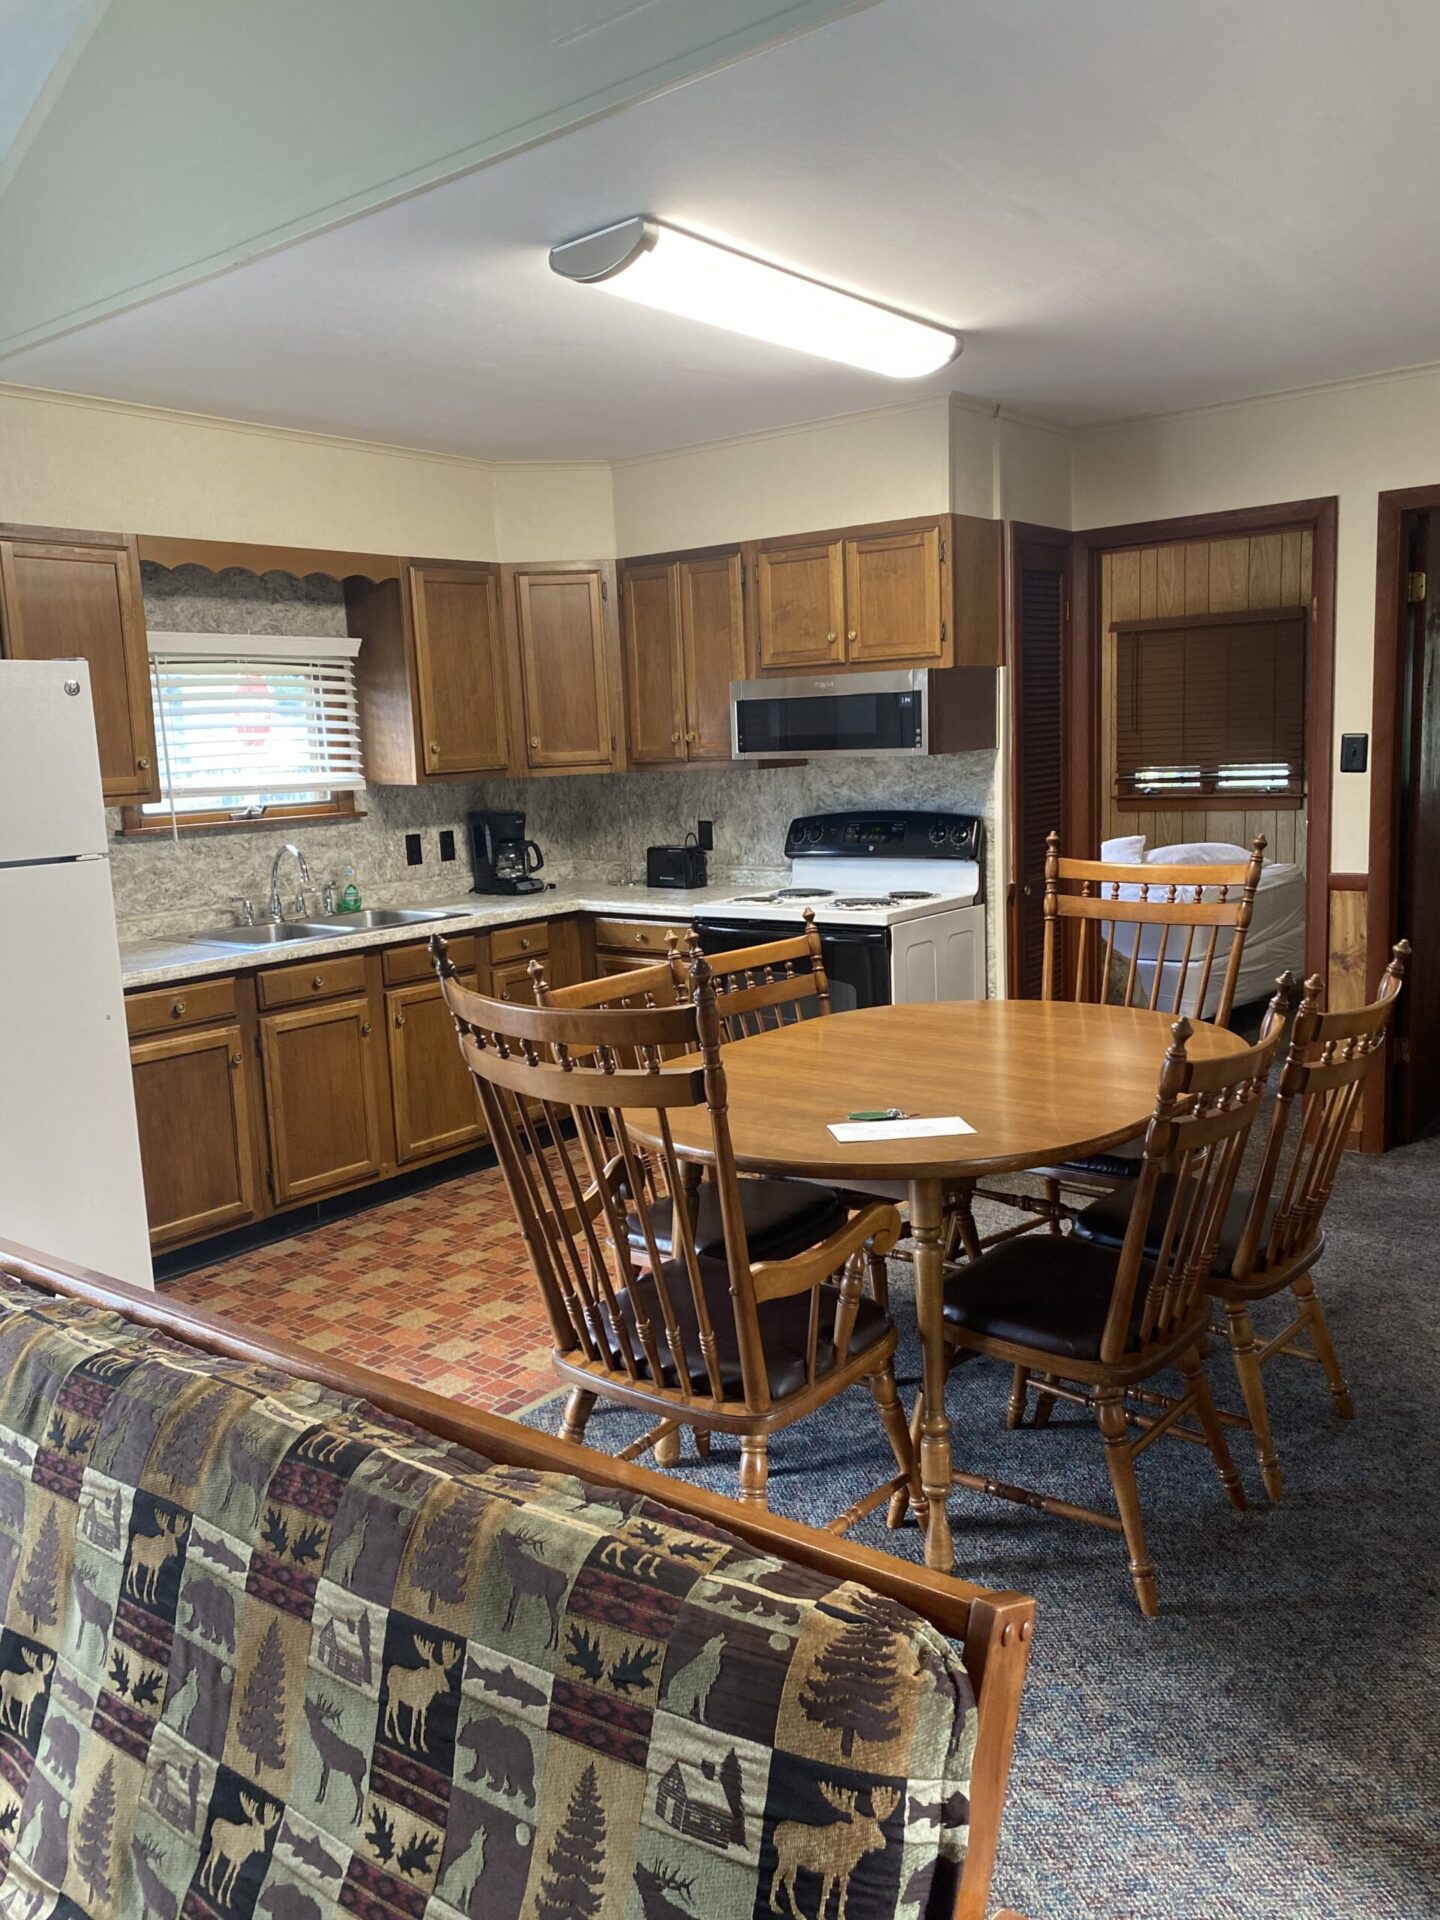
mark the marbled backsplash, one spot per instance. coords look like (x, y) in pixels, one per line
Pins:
(593, 828)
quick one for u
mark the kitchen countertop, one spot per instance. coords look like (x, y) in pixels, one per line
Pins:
(154, 963)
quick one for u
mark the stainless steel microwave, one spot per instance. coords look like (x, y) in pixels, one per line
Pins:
(880, 714)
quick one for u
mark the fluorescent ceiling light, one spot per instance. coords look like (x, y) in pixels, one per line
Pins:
(661, 267)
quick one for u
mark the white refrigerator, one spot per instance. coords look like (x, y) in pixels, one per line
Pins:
(70, 1178)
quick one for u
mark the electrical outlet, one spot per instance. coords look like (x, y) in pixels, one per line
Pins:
(414, 852)
(447, 843)
(1354, 752)
(706, 835)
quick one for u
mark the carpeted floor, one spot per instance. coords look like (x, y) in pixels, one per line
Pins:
(1269, 1749)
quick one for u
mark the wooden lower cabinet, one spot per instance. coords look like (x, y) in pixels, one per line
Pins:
(436, 1109)
(321, 1098)
(193, 1108)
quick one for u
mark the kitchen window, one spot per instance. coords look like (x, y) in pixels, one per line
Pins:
(250, 727)
(1210, 708)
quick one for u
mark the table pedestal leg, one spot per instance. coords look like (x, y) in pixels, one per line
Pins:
(935, 1463)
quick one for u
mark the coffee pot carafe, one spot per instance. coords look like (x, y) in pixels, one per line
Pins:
(505, 861)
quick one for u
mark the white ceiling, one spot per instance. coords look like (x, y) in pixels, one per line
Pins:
(1126, 208)
(34, 35)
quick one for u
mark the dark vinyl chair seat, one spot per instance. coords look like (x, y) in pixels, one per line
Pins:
(1104, 1221)
(784, 1327)
(1051, 1293)
(782, 1218)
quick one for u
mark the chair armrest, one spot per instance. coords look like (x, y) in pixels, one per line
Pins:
(879, 1225)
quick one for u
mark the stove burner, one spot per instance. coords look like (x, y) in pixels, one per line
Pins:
(802, 893)
(901, 899)
(864, 900)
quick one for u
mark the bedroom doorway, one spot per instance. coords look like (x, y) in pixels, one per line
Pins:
(1209, 584)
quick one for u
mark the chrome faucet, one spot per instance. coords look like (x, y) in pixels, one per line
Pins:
(277, 911)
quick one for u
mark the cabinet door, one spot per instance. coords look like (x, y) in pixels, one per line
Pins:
(320, 1098)
(436, 1110)
(892, 596)
(62, 602)
(563, 676)
(193, 1110)
(712, 637)
(654, 694)
(511, 981)
(800, 602)
(459, 670)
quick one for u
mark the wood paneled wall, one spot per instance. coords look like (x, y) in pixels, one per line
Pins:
(1199, 576)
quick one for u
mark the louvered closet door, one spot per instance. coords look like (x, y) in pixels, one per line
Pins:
(1039, 772)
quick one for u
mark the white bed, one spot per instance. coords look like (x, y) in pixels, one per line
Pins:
(1274, 944)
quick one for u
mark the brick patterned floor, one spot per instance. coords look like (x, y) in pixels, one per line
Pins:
(433, 1289)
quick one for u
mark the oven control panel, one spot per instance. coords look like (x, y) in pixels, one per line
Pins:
(888, 833)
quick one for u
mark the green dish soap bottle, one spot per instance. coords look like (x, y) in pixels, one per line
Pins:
(350, 893)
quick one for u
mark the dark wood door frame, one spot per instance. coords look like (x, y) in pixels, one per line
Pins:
(1382, 895)
(1084, 772)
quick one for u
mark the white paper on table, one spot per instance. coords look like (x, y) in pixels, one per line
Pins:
(909, 1129)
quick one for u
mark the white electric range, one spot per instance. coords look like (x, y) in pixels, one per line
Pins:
(897, 899)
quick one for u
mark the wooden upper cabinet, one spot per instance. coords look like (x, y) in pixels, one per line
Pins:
(460, 670)
(654, 678)
(565, 661)
(192, 1108)
(800, 606)
(63, 599)
(712, 645)
(432, 676)
(893, 609)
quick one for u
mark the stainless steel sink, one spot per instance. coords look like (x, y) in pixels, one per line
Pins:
(371, 917)
(272, 933)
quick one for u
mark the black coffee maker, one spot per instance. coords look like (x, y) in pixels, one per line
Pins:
(505, 861)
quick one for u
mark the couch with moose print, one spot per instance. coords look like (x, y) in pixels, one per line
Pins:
(270, 1650)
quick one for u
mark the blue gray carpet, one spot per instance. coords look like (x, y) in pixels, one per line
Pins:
(1269, 1749)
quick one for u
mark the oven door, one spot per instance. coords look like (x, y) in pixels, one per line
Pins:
(857, 959)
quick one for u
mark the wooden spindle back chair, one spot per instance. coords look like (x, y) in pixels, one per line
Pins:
(1108, 1318)
(574, 1098)
(759, 988)
(1191, 904)
(1329, 1063)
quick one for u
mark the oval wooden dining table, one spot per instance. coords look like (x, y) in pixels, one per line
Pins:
(1039, 1082)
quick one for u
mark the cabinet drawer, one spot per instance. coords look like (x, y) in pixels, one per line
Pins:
(189, 1003)
(402, 964)
(637, 936)
(519, 943)
(317, 979)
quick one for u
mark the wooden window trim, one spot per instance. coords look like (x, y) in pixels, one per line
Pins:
(141, 826)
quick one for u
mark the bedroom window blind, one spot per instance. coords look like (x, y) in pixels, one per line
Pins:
(1210, 706)
(242, 721)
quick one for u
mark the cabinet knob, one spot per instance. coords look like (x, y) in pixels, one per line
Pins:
(642, 939)
(524, 946)
(435, 749)
(674, 739)
(399, 1019)
(142, 764)
(365, 1029)
(852, 634)
(177, 1009)
(318, 982)
(690, 739)
(832, 638)
(235, 1059)
(534, 739)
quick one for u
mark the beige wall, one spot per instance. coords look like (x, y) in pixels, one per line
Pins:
(554, 512)
(874, 466)
(94, 463)
(1353, 441)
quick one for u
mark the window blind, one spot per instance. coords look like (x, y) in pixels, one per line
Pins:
(240, 717)
(1211, 704)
